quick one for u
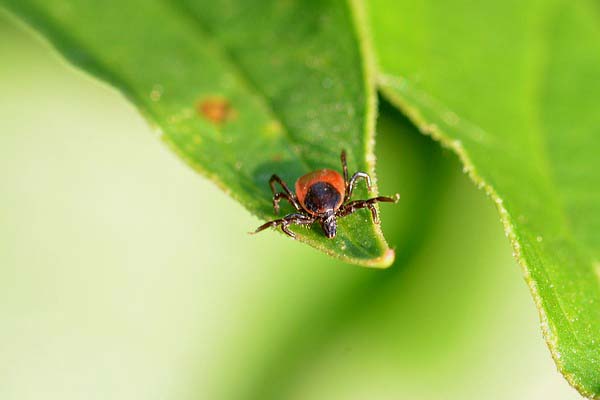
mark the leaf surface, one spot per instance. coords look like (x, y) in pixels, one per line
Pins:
(513, 88)
(239, 92)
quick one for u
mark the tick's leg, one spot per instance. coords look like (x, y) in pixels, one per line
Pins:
(353, 180)
(298, 219)
(287, 194)
(352, 206)
(345, 169)
(276, 178)
(277, 198)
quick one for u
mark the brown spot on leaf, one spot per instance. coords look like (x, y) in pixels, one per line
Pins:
(216, 109)
(277, 157)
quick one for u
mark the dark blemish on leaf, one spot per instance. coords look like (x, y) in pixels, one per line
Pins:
(215, 109)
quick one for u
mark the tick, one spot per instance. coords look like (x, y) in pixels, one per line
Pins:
(322, 196)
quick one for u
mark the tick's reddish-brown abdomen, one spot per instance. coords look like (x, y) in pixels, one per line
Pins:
(321, 191)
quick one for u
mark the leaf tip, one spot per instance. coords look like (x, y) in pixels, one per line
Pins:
(384, 261)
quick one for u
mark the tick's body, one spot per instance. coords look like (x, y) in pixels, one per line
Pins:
(322, 196)
(320, 191)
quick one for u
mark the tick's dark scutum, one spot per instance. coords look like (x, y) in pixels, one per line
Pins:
(321, 197)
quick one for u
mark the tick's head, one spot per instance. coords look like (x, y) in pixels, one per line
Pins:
(329, 225)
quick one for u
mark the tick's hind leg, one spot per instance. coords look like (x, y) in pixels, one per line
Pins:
(298, 219)
(287, 194)
(352, 206)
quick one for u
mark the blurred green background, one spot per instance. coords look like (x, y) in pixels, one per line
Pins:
(125, 275)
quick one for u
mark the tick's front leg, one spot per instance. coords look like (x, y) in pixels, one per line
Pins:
(287, 194)
(285, 222)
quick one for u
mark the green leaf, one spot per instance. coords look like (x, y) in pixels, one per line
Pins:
(239, 92)
(513, 87)
(143, 318)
